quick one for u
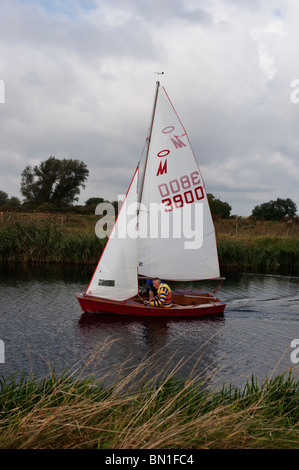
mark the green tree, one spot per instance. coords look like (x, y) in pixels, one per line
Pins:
(275, 210)
(94, 201)
(219, 208)
(13, 202)
(3, 198)
(54, 181)
(6, 202)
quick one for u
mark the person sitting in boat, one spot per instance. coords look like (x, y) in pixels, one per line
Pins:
(151, 290)
(163, 297)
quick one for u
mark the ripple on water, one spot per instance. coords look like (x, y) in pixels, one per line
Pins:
(43, 327)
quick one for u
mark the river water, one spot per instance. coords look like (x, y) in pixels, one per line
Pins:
(42, 328)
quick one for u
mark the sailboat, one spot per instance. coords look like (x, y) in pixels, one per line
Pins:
(164, 230)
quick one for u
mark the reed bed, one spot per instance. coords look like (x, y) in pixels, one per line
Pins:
(47, 242)
(259, 252)
(163, 412)
(51, 242)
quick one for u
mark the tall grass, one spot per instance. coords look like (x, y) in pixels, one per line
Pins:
(138, 412)
(259, 252)
(47, 242)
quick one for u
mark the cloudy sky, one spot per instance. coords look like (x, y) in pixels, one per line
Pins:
(77, 80)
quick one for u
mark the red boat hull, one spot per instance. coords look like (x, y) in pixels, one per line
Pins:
(133, 307)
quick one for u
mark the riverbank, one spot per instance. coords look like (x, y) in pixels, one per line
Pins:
(228, 228)
(64, 412)
(70, 238)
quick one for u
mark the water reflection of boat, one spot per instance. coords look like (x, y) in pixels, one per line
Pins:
(89, 320)
(155, 332)
(172, 234)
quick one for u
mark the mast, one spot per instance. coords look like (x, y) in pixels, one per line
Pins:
(149, 141)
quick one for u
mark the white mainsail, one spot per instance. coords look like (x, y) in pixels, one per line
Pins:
(116, 276)
(177, 235)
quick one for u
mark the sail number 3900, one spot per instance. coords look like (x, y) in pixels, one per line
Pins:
(181, 191)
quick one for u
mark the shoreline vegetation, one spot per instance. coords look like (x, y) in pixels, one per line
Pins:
(70, 238)
(165, 412)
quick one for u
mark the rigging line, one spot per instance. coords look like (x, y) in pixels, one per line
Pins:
(207, 234)
(142, 300)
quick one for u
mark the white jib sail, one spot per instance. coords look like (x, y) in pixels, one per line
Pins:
(116, 276)
(177, 235)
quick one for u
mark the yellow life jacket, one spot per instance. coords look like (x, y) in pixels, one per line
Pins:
(163, 297)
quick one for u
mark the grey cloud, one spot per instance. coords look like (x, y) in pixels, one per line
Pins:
(162, 12)
(81, 85)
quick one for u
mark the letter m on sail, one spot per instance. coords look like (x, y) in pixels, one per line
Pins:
(162, 168)
(177, 142)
